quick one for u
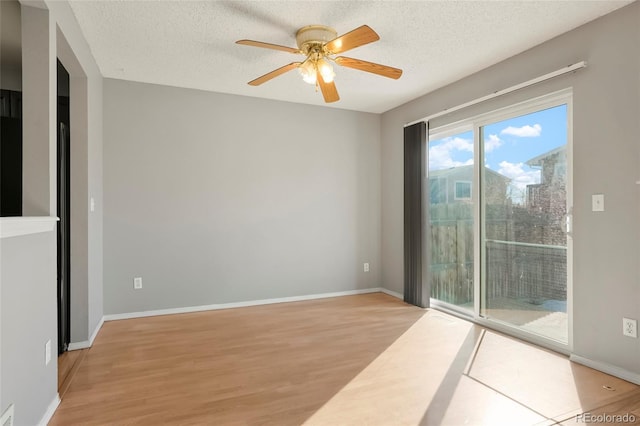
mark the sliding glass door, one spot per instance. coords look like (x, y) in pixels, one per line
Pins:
(524, 228)
(501, 255)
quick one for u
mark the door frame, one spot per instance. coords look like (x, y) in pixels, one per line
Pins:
(63, 198)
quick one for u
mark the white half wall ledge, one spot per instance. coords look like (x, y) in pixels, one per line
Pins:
(25, 225)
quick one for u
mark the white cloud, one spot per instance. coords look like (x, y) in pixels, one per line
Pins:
(520, 178)
(518, 175)
(524, 131)
(459, 144)
(492, 143)
(440, 155)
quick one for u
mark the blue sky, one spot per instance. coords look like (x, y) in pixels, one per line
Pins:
(527, 136)
(508, 145)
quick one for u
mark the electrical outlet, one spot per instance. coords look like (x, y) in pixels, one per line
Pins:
(366, 267)
(47, 352)
(137, 283)
(597, 202)
(630, 327)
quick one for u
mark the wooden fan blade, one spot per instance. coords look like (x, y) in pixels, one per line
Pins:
(361, 65)
(268, 46)
(329, 91)
(358, 37)
(273, 74)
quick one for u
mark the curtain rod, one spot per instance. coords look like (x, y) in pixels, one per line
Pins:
(561, 71)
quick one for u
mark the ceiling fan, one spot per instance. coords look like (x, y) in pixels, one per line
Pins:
(319, 44)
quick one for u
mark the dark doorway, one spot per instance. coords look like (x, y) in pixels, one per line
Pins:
(63, 178)
(10, 153)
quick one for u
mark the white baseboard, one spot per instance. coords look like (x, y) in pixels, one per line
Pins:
(392, 293)
(50, 411)
(188, 309)
(607, 368)
(95, 331)
(74, 346)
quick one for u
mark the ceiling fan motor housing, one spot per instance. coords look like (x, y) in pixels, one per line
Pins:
(314, 36)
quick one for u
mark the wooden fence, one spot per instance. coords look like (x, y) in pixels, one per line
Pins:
(530, 271)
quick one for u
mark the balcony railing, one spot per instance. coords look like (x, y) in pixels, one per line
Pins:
(526, 271)
(531, 272)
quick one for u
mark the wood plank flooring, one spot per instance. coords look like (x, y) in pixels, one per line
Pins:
(367, 359)
(68, 364)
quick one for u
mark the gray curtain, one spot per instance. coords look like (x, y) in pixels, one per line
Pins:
(416, 289)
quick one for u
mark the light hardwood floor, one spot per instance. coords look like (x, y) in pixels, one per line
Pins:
(356, 360)
(68, 364)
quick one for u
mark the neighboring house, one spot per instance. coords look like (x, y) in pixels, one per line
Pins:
(550, 194)
(454, 185)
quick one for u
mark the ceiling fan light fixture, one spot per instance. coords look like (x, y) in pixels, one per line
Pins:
(326, 70)
(308, 72)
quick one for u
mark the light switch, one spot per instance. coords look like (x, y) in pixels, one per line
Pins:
(47, 352)
(597, 202)
(92, 204)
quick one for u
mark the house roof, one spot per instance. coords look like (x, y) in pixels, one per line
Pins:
(537, 161)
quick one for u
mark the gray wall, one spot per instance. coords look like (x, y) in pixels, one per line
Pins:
(28, 280)
(214, 198)
(38, 112)
(28, 321)
(606, 124)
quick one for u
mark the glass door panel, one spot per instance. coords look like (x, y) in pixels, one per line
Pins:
(524, 209)
(450, 214)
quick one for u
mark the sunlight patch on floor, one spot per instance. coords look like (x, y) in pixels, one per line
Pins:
(522, 372)
(398, 386)
(473, 404)
(447, 371)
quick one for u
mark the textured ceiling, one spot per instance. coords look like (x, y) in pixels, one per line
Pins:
(192, 43)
